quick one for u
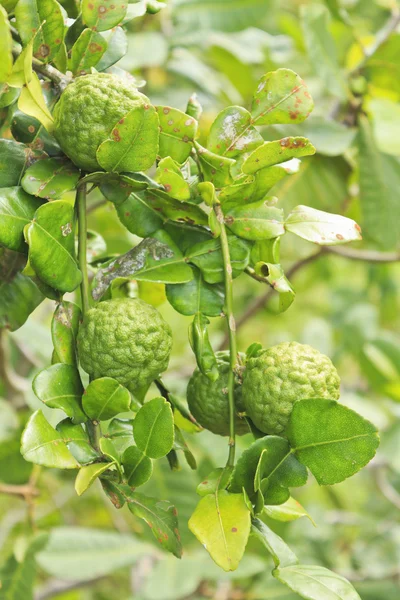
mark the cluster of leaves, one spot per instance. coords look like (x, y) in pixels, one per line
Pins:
(177, 213)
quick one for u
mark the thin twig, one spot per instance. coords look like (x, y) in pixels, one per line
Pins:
(372, 256)
(19, 490)
(48, 71)
(386, 488)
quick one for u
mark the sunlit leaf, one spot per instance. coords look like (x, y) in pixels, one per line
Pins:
(105, 398)
(320, 227)
(100, 15)
(87, 52)
(154, 428)
(88, 475)
(50, 178)
(177, 133)
(44, 19)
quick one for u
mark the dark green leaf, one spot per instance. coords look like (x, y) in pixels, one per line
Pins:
(59, 386)
(137, 466)
(77, 441)
(333, 441)
(64, 329)
(201, 346)
(17, 209)
(177, 133)
(13, 160)
(105, 398)
(196, 296)
(207, 256)
(256, 221)
(154, 428)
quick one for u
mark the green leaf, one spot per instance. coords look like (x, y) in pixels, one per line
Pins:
(320, 227)
(268, 465)
(105, 398)
(160, 515)
(316, 583)
(32, 102)
(8, 95)
(17, 209)
(221, 15)
(379, 185)
(117, 46)
(120, 431)
(276, 152)
(64, 329)
(218, 479)
(256, 221)
(14, 158)
(44, 20)
(100, 16)
(232, 133)
(333, 441)
(281, 97)
(77, 441)
(207, 256)
(133, 142)
(215, 168)
(5, 47)
(22, 69)
(275, 276)
(108, 449)
(281, 553)
(152, 260)
(88, 475)
(50, 178)
(180, 444)
(154, 428)
(59, 386)
(196, 296)
(41, 444)
(87, 52)
(221, 522)
(321, 48)
(19, 296)
(177, 133)
(83, 553)
(51, 246)
(201, 346)
(137, 466)
(17, 575)
(170, 177)
(291, 510)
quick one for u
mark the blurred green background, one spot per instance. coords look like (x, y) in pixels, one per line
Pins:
(347, 306)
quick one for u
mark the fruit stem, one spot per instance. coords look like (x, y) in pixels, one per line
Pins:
(230, 319)
(93, 428)
(82, 246)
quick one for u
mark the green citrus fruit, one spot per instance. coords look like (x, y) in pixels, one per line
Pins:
(125, 339)
(275, 378)
(88, 110)
(208, 400)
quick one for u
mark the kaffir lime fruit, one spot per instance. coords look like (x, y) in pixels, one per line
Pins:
(125, 339)
(88, 110)
(208, 400)
(275, 378)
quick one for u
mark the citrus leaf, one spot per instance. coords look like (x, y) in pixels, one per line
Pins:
(5, 47)
(41, 444)
(281, 97)
(137, 466)
(217, 479)
(180, 444)
(100, 15)
(333, 441)
(77, 441)
(120, 431)
(19, 296)
(152, 260)
(51, 246)
(316, 583)
(177, 133)
(17, 209)
(154, 428)
(117, 46)
(87, 52)
(215, 168)
(88, 475)
(207, 256)
(276, 152)
(105, 398)
(50, 178)
(168, 174)
(201, 346)
(281, 553)
(8, 95)
(256, 221)
(196, 296)
(320, 227)
(291, 510)
(43, 20)
(133, 142)
(96, 246)
(14, 158)
(232, 133)
(221, 522)
(275, 276)
(59, 386)
(32, 102)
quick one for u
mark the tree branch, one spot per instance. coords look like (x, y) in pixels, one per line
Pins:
(372, 256)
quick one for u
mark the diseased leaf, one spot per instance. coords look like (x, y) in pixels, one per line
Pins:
(50, 178)
(87, 52)
(51, 246)
(100, 15)
(170, 177)
(278, 151)
(320, 227)
(32, 102)
(221, 522)
(41, 444)
(333, 441)
(44, 20)
(275, 276)
(281, 97)
(256, 221)
(232, 133)
(216, 169)
(177, 133)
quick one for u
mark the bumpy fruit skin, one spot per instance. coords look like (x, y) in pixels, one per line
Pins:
(275, 378)
(86, 113)
(125, 339)
(208, 400)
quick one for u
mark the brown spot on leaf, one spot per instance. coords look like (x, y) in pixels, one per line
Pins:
(117, 137)
(339, 236)
(166, 110)
(234, 529)
(31, 129)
